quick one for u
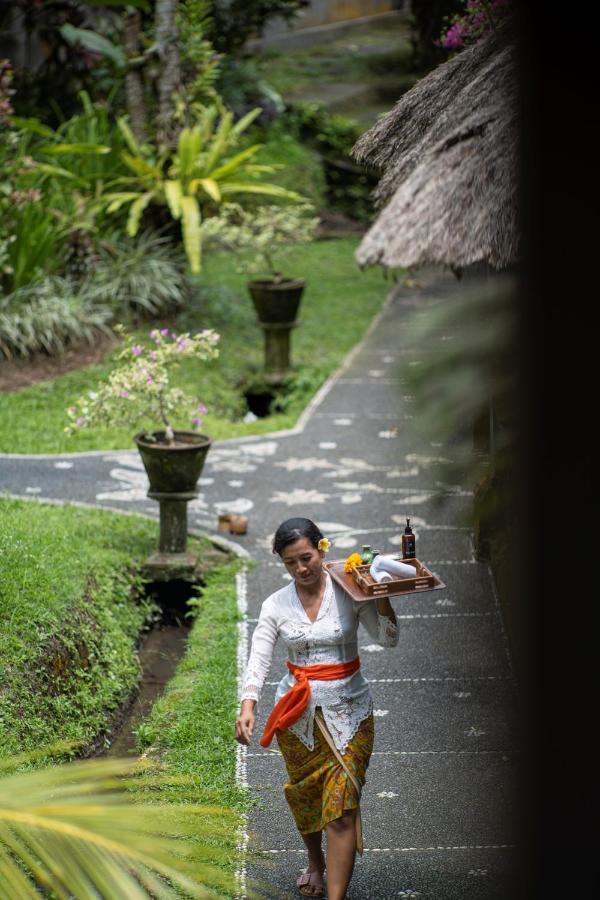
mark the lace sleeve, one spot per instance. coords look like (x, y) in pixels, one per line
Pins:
(379, 627)
(261, 654)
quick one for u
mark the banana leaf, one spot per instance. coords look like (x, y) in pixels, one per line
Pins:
(135, 212)
(54, 149)
(220, 143)
(245, 121)
(235, 162)
(268, 190)
(210, 186)
(95, 42)
(173, 194)
(192, 236)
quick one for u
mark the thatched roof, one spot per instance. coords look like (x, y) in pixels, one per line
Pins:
(449, 155)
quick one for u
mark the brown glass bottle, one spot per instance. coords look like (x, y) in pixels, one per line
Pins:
(408, 542)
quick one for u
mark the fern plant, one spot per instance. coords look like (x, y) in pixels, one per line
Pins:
(200, 172)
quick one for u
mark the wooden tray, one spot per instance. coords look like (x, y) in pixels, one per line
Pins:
(362, 586)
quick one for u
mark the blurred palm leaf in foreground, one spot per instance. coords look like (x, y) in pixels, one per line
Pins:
(80, 830)
(465, 386)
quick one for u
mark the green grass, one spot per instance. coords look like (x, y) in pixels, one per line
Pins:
(337, 307)
(353, 57)
(70, 612)
(71, 609)
(191, 727)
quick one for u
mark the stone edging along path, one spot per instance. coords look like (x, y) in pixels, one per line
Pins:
(439, 801)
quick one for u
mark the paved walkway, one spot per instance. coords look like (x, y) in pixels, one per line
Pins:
(439, 802)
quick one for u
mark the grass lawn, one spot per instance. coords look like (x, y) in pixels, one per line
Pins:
(337, 307)
(190, 727)
(70, 611)
(71, 608)
(356, 56)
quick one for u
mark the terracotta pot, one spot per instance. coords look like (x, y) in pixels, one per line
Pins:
(276, 302)
(173, 468)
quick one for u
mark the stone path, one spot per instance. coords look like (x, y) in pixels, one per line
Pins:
(439, 804)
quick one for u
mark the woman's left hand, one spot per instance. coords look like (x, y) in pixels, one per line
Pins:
(385, 608)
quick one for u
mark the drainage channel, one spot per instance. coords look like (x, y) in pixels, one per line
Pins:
(159, 651)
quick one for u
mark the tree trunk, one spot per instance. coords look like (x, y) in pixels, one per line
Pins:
(134, 85)
(168, 52)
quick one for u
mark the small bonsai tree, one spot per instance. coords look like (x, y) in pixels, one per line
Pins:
(269, 231)
(139, 388)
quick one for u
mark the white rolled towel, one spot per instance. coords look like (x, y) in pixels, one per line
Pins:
(381, 576)
(385, 565)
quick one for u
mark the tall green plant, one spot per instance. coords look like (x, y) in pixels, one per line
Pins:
(35, 247)
(199, 174)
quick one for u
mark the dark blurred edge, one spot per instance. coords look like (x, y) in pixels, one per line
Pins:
(555, 537)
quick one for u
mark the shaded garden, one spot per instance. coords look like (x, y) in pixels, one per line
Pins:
(141, 145)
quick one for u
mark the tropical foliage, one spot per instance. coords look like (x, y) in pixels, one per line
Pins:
(197, 176)
(100, 828)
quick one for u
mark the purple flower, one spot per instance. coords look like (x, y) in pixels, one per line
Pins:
(453, 38)
(196, 422)
(149, 379)
(80, 421)
(152, 355)
(202, 409)
(181, 344)
(123, 393)
(164, 332)
(72, 410)
(137, 350)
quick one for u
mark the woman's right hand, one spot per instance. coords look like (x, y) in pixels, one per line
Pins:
(244, 725)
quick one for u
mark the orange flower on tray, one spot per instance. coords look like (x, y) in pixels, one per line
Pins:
(355, 559)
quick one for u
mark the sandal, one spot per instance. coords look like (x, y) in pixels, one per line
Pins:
(313, 880)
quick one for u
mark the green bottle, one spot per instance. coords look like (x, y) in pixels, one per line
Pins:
(366, 555)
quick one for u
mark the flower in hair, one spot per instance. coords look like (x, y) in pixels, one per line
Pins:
(324, 544)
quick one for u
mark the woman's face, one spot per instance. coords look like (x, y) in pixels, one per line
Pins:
(303, 562)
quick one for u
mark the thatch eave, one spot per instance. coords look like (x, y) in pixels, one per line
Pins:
(450, 182)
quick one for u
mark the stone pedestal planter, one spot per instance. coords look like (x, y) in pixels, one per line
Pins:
(173, 471)
(276, 304)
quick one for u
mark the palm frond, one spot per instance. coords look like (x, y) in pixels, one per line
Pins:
(83, 830)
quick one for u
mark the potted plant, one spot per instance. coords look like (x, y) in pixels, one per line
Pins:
(268, 231)
(139, 390)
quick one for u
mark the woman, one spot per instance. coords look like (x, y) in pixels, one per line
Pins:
(323, 713)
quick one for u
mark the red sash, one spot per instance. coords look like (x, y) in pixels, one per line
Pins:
(290, 707)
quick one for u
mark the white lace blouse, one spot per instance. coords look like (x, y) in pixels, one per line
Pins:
(331, 638)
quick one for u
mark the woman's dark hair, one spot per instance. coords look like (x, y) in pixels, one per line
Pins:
(292, 530)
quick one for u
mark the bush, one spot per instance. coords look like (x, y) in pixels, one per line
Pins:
(46, 317)
(301, 166)
(348, 185)
(34, 243)
(139, 278)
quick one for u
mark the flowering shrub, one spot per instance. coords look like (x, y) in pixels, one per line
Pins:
(480, 18)
(268, 230)
(139, 388)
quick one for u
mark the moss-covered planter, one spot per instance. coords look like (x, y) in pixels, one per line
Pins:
(173, 468)
(276, 302)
